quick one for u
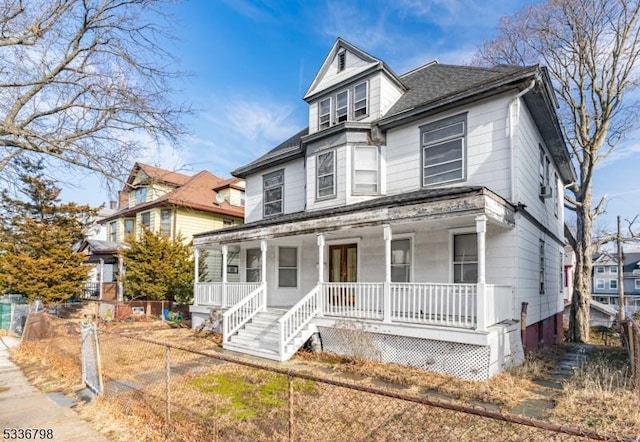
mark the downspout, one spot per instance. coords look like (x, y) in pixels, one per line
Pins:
(511, 137)
(512, 176)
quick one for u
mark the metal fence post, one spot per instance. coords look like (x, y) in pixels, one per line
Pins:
(167, 361)
(291, 416)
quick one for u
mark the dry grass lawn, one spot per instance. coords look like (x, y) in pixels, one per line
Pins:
(599, 398)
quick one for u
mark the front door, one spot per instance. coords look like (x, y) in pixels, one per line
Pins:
(343, 267)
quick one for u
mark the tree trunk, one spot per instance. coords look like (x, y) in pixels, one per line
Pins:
(579, 318)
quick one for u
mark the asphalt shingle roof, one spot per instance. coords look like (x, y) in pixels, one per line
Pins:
(436, 81)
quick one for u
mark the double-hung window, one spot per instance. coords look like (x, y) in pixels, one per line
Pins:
(600, 283)
(287, 267)
(401, 260)
(324, 113)
(360, 100)
(613, 284)
(366, 166)
(636, 283)
(273, 188)
(443, 150)
(129, 228)
(113, 231)
(326, 175)
(141, 195)
(465, 258)
(145, 219)
(342, 106)
(254, 265)
(165, 222)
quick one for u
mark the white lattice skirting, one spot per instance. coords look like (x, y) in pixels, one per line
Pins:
(461, 360)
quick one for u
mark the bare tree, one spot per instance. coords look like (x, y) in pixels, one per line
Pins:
(591, 49)
(84, 83)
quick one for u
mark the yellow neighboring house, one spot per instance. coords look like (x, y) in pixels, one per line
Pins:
(174, 203)
(169, 202)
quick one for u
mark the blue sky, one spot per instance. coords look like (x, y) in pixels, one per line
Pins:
(252, 62)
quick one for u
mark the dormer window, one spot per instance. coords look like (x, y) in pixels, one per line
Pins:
(342, 106)
(360, 101)
(342, 61)
(324, 113)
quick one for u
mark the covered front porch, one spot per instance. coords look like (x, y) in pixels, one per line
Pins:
(414, 275)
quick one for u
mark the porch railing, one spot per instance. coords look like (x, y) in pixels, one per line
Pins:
(211, 293)
(298, 317)
(439, 304)
(453, 305)
(242, 312)
(353, 299)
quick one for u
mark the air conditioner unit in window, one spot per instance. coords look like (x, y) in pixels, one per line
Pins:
(545, 191)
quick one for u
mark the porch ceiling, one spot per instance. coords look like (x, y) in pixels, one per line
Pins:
(446, 207)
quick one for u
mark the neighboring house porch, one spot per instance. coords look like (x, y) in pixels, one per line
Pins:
(412, 279)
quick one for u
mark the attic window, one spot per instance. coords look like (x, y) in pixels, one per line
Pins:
(342, 61)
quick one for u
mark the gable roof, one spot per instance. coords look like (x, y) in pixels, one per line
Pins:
(157, 174)
(371, 63)
(434, 88)
(630, 261)
(196, 193)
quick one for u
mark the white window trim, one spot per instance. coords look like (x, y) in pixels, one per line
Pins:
(542, 270)
(366, 100)
(346, 107)
(440, 124)
(636, 283)
(264, 201)
(335, 184)
(353, 172)
(330, 122)
(452, 233)
(148, 212)
(600, 284)
(411, 238)
(599, 269)
(613, 282)
(613, 269)
(298, 250)
(246, 262)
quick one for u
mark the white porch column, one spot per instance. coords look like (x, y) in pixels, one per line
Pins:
(101, 279)
(386, 297)
(121, 270)
(482, 303)
(196, 274)
(225, 253)
(321, 272)
(263, 272)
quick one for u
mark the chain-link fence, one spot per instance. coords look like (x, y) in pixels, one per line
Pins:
(180, 394)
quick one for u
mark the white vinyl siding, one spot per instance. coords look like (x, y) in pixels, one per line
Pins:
(443, 150)
(366, 170)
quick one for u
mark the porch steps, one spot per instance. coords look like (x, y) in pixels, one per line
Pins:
(261, 337)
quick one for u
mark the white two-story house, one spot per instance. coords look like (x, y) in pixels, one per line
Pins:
(411, 220)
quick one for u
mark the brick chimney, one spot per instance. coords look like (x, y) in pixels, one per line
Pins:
(123, 199)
